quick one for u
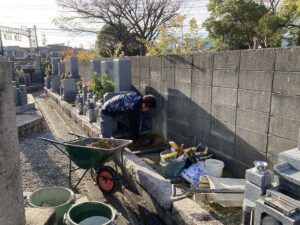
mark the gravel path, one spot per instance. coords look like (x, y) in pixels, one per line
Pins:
(42, 164)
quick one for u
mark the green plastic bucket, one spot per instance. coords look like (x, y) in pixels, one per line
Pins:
(173, 168)
(58, 198)
(91, 213)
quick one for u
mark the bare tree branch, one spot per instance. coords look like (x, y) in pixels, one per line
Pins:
(143, 17)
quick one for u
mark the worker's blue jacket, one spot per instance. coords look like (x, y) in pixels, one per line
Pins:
(128, 104)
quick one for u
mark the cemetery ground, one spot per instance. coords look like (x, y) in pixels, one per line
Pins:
(42, 165)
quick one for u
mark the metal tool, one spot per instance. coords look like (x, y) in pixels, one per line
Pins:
(186, 190)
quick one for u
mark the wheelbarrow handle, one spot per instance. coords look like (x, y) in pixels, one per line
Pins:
(53, 141)
(77, 135)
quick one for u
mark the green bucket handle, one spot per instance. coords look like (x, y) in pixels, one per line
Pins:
(117, 217)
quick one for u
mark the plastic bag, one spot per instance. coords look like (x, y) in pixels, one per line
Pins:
(194, 172)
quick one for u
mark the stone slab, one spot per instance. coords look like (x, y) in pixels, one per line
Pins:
(157, 186)
(107, 66)
(254, 100)
(187, 212)
(122, 74)
(74, 67)
(23, 108)
(253, 120)
(291, 156)
(95, 66)
(260, 179)
(253, 192)
(37, 216)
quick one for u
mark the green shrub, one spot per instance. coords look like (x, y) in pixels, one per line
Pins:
(101, 85)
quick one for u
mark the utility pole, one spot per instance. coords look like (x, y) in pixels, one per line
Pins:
(1, 43)
(36, 40)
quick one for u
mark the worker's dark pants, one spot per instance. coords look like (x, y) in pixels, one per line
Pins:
(108, 124)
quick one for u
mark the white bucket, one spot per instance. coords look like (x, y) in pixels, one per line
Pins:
(214, 167)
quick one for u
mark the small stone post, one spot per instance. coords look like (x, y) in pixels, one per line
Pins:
(11, 197)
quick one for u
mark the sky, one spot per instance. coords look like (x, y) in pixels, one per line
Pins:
(18, 13)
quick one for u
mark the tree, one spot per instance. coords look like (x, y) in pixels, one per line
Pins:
(290, 12)
(142, 17)
(239, 24)
(173, 38)
(109, 40)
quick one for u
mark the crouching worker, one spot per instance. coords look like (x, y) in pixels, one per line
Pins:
(130, 105)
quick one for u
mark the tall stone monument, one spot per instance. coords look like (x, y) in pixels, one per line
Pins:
(11, 198)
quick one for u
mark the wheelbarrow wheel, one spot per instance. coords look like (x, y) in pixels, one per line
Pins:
(107, 180)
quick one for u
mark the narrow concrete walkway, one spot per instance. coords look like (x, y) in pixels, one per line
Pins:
(60, 125)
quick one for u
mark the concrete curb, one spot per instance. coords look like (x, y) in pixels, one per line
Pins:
(153, 188)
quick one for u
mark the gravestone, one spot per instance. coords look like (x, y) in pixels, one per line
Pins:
(38, 64)
(11, 198)
(74, 67)
(122, 74)
(96, 66)
(27, 79)
(54, 63)
(84, 93)
(108, 67)
(55, 83)
(15, 91)
(61, 69)
(69, 90)
(22, 95)
(21, 80)
(47, 82)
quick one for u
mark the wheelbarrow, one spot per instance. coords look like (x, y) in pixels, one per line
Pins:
(94, 159)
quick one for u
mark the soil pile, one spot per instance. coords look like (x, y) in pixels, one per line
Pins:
(101, 144)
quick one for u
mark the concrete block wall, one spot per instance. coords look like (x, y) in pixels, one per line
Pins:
(245, 105)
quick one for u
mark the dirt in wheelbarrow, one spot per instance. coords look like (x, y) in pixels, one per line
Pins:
(149, 141)
(101, 144)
